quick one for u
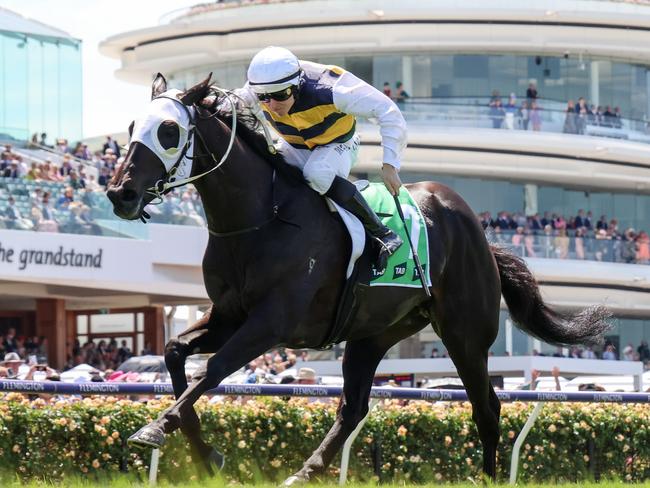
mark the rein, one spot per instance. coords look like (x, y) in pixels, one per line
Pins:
(168, 182)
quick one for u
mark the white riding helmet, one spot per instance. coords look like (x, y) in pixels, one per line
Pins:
(273, 69)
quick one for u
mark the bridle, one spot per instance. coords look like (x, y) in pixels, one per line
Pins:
(168, 182)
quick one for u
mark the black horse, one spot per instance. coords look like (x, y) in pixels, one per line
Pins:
(275, 265)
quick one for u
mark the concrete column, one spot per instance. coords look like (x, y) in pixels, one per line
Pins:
(509, 337)
(154, 328)
(530, 200)
(51, 323)
(407, 74)
(647, 93)
(594, 92)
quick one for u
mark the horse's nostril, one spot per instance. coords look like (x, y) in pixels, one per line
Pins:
(129, 195)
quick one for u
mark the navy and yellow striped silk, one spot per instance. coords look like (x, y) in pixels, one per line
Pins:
(314, 120)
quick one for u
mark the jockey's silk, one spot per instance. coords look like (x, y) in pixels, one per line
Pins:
(314, 120)
(401, 270)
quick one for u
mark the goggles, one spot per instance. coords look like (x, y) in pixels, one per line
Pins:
(279, 96)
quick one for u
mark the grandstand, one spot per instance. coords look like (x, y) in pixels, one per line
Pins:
(459, 64)
(524, 155)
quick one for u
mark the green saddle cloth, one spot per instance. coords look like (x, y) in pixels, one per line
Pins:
(401, 270)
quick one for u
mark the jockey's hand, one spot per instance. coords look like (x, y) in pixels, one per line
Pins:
(391, 179)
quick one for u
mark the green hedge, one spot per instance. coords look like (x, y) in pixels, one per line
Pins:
(270, 438)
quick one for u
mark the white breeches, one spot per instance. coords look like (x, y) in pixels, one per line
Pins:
(320, 166)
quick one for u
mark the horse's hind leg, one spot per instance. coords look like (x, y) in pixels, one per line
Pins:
(468, 333)
(360, 361)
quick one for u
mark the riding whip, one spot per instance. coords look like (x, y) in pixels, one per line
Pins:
(416, 258)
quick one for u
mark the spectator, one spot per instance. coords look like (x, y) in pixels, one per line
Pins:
(561, 244)
(644, 351)
(387, 90)
(555, 372)
(581, 220)
(602, 223)
(510, 111)
(608, 117)
(14, 364)
(11, 171)
(535, 223)
(582, 113)
(170, 211)
(104, 177)
(524, 115)
(579, 243)
(10, 344)
(617, 121)
(400, 93)
(570, 119)
(497, 114)
(123, 353)
(14, 219)
(535, 116)
(75, 181)
(34, 173)
(531, 92)
(66, 166)
(589, 353)
(609, 353)
(112, 145)
(643, 248)
(306, 376)
(533, 382)
(62, 146)
(629, 353)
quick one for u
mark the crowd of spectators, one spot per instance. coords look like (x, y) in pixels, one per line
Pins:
(579, 115)
(62, 194)
(608, 352)
(24, 356)
(527, 114)
(575, 237)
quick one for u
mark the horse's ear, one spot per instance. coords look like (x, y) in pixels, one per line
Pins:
(158, 86)
(196, 93)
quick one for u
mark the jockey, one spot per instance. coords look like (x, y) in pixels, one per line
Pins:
(314, 108)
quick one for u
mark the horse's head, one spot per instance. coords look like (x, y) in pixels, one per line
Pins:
(158, 141)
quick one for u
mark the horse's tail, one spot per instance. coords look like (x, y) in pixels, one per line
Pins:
(532, 315)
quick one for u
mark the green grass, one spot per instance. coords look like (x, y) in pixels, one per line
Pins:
(129, 482)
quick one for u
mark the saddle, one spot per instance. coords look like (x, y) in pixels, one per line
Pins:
(401, 270)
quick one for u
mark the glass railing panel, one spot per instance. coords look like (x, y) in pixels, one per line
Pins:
(551, 116)
(604, 249)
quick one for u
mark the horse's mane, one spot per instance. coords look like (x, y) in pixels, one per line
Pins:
(250, 131)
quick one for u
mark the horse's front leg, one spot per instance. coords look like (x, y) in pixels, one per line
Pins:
(205, 336)
(251, 339)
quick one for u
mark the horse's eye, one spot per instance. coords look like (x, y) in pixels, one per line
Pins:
(169, 134)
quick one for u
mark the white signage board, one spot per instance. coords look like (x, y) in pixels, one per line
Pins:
(52, 257)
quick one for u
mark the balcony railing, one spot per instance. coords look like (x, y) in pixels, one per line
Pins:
(551, 116)
(587, 248)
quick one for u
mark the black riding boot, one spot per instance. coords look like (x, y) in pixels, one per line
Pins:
(347, 196)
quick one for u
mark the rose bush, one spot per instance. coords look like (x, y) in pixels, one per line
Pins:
(268, 438)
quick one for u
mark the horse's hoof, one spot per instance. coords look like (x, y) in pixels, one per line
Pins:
(148, 436)
(295, 480)
(214, 462)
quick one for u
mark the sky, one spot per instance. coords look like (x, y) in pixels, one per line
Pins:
(109, 105)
